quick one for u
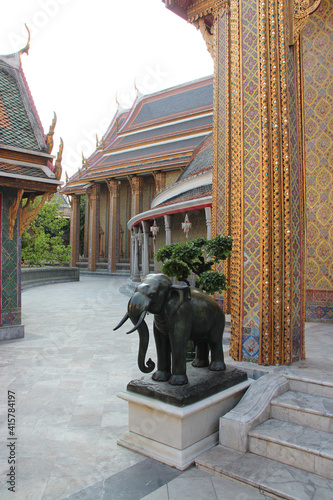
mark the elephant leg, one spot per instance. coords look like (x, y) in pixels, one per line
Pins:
(163, 349)
(202, 352)
(217, 356)
(178, 340)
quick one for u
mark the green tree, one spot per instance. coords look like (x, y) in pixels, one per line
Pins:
(42, 242)
(198, 257)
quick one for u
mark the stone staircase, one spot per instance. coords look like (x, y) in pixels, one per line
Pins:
(288, 448)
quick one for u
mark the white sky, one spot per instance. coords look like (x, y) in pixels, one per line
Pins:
(84, 52)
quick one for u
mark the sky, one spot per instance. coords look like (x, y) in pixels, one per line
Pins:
(87, 54)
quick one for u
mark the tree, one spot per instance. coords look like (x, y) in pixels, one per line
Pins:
(198, 257)
(42, 242)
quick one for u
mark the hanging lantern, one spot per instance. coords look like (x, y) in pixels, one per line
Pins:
(186, 226)
(154, 229)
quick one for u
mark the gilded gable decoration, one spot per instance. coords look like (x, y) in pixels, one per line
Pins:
(85, 163)
(49, 135)
(58, 167)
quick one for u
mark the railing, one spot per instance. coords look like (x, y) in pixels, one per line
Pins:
(49, 274)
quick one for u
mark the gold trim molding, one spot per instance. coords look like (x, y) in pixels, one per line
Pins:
(299, 12)
(13, 212)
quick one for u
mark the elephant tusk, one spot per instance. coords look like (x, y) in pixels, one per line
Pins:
(125, 318)
(142, 317)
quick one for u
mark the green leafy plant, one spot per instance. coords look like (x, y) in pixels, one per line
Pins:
(42, 242)
(198, 257)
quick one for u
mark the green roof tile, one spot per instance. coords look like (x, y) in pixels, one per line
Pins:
(15, 126)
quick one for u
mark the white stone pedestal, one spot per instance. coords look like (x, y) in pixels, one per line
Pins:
(173, 435)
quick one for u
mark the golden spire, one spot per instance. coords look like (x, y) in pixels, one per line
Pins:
(25, 50)
(49, 136)
(80, 173)
(58, 167)
(66, 176)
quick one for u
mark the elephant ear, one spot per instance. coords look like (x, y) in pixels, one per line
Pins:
(178, 294)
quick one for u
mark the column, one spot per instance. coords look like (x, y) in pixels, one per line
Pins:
(86, 228)
(75, 229)
(159, 181)
(113, 186)
(208, 215)
(145, 249)
(258, 187)
(136, 184)
(135, 255)
(93, 200)
(167, 226)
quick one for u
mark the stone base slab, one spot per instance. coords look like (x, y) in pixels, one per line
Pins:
(173, 435)
(11, 332)
(180, 459)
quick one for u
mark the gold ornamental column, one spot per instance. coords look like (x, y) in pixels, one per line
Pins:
(93, 244)
(75, 229)
(136, 184)
(113, 187)
(258, 173)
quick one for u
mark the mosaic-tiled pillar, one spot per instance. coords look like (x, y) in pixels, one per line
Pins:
(93, 200)
(10, 270)
(258, 194)
(113, 186)
(75, 229)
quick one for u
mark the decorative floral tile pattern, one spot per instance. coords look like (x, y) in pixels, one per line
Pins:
(318, 98)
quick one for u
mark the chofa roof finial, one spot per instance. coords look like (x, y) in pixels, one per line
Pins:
(25, 50)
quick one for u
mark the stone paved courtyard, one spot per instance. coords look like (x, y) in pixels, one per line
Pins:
(65, 375)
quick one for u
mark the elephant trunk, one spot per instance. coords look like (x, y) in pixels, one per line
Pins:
(143, 346)
(137, 310)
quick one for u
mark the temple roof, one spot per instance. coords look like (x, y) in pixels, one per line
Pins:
(191, 191)
(161, 130)
(201, 160)
(24, 150)
(20, 125)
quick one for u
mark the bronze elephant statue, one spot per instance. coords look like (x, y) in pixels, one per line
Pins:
(181, 313)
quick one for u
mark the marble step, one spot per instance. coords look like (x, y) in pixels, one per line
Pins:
(296, 445)
(271, 478)
(316, 387)
(304, 409)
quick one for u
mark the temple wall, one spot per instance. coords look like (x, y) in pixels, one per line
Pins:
(171, 177)
(10, 257)
(318, 112)
(147, 195)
